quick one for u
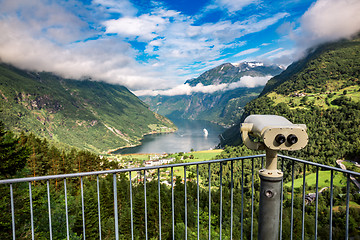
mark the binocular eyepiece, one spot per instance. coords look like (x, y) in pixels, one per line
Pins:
(280, 138)
(291, 139)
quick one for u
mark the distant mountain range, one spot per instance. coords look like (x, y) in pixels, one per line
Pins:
(224, 106)
(86, 114)
(230, 72)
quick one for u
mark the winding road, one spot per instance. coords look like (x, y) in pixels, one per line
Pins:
(342, 166)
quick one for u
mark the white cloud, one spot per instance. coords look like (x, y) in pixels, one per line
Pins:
(228, 31)
(231, 6)
(145, 27)
(44, 20)
(326, 21)
(270, 53)
(246, 52)
(235, 5)
(101, 59)
(186, 89)
(250, 82)
(183, 47)
(331, 20)
(124, 7)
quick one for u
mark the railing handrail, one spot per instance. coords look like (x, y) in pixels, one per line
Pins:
(320, 165)
(83, 174)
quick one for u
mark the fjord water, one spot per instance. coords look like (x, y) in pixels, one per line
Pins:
(190, 135)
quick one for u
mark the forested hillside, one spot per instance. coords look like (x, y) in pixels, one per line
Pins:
(322, 91)
(86, 114)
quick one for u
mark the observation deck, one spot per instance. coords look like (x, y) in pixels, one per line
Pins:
(216, 199)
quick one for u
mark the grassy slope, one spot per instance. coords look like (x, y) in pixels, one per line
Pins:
(321, 99)
(89, 115)
(324, 180)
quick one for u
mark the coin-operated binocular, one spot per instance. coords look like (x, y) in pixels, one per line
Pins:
(271, 133)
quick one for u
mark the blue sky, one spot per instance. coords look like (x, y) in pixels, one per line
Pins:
(146, 44)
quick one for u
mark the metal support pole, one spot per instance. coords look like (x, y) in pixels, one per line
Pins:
(270, 194)
(269, 209)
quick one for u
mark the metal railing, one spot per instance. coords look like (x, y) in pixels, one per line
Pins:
(221, 191)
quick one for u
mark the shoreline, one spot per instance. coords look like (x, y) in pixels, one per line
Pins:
(111, 151)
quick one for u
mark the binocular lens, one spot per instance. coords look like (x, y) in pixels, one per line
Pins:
(280, 138)
(292, 139)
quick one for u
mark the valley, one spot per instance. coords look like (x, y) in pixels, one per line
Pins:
(241, 83)
(121, 119)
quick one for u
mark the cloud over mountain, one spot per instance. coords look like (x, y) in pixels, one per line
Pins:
(328, 20)
(186, 89)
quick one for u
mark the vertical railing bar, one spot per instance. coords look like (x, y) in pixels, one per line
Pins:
(98, 198)
(146, 228)
(198, 202)
(82, 205)
(31, 213)
(262, 162)
(252, 198)
(347, 206)
(172, 203)
(12, 211)
(221, 171)
(159, 203)
(209, 202)
(281, 198)
(116, 208)
(317, 202)
(131, 208)
(292, 200)
(242, 199)
(232, 199)
(66, 212)
(49, 208)
(331, 203)
(185, 202)
(303, 206)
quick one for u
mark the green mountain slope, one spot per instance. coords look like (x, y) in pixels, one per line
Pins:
(84, 114)
(322, 91)
(326, 68)
(221, 107)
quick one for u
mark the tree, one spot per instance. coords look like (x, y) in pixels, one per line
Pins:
(13, 155)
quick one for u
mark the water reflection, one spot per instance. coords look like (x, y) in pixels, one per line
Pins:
(191, 135)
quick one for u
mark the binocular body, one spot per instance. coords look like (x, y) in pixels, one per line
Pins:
(274, 132)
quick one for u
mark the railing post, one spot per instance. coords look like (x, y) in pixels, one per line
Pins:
(270, 193)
